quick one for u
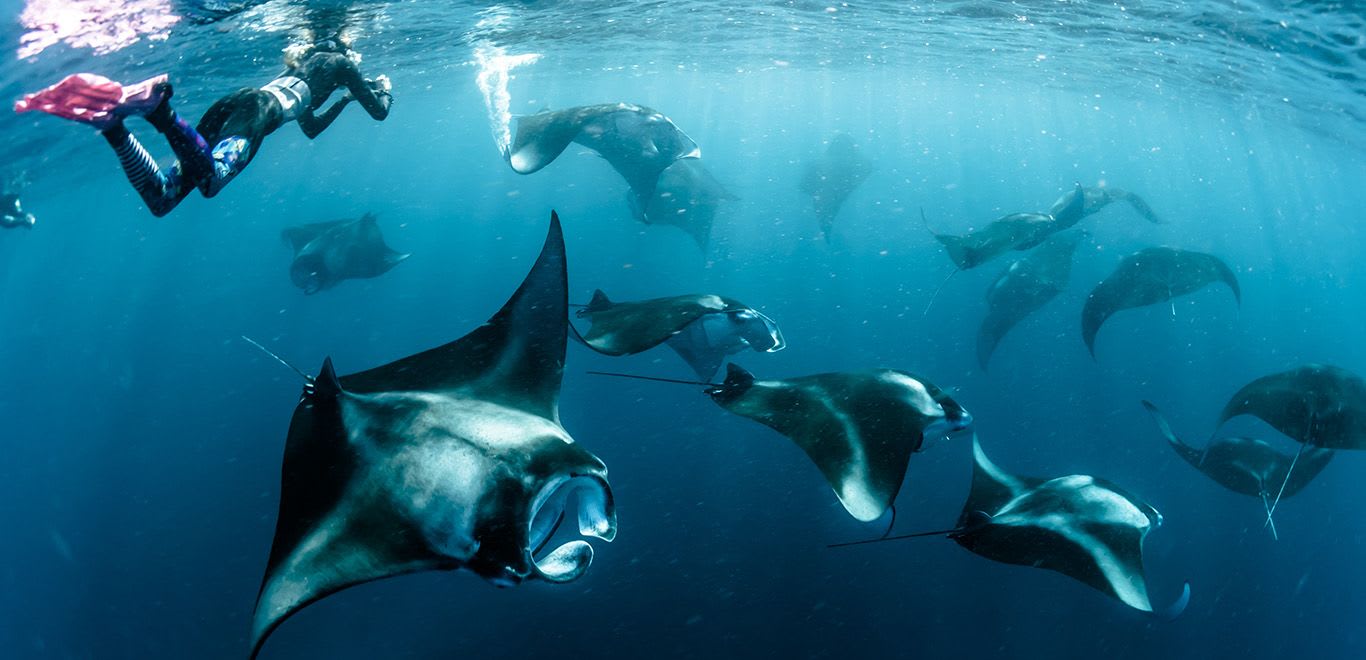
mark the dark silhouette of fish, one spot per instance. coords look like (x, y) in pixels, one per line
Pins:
(325, 253)
(1148, 277)
(1095, 198)
(1023, 287)
(1247, 465)
(638, 142)
(703, 329)
(450, 458)
(830, 179)
(687, 196)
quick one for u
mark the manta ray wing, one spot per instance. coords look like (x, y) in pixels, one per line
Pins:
(1322, 405)
(1190, 454)
(542, 137)
(703, 359)
(1025, 286)
(516, 359)
(627, 328)
(370, 255)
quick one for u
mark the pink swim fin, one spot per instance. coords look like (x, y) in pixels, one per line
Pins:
(93, 99)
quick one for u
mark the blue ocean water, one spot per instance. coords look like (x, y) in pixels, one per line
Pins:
(143, 438)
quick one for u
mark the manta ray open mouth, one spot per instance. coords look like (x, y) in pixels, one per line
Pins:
(597, 518)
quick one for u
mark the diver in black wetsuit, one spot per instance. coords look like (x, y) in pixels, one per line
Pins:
(232, 129)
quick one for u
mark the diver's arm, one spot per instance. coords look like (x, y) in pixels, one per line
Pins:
(373, 95)
(313, 125)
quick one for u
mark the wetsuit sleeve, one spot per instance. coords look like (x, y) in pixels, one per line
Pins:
(313, 125)
(374, 101)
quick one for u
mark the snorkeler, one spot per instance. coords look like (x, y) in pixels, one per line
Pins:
(231, 130)
(12, 215)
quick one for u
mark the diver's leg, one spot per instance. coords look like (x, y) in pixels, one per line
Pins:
(190, 147)
(228, 158)
(160, 191)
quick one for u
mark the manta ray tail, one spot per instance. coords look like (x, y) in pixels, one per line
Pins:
(1269, 520)
(935, 295)
(1285, 481)
(654, 379)
(267, 351)
(938, 532)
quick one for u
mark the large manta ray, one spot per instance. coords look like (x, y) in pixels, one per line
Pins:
(638, 142)
(450, 458)
(686, 197)
(1095, 198)
(325, 253)
(1083, 527)
(702, 329)
(1017, 231)
(830, 179)
(859, 428)
(1023, 287)
(1151, 276)
(1247, 465)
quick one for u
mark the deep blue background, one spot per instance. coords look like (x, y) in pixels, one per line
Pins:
(142, 438)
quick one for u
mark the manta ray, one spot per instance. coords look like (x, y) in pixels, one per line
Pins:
(859, 428)
(638, 142)
(1017, 231)
(1247, 465)
(702, 329)
(830, 179)
(1083, 527)
(1095, 198)
(325, 253)
(1148, 277)
(450, 458)
(1023, 287)
(686, 196)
